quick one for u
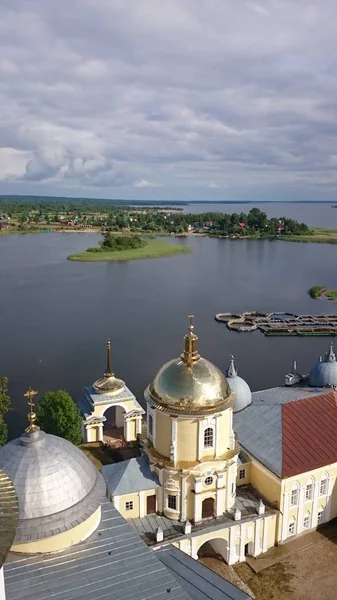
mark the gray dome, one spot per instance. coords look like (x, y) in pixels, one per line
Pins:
(241, 389)
(57, 486)
(324, 373)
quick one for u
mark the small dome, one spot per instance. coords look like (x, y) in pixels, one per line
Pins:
(57, 486)
(324, 373)
(241, 389)
(108, 384)
(189, 384)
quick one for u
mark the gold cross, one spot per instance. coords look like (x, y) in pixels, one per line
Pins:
(31, 415)
(191, 326)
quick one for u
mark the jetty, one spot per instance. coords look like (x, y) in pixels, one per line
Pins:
(280, 323)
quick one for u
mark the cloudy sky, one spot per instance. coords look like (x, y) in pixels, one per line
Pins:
(169, 99)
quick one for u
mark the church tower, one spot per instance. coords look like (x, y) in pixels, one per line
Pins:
(190, 439)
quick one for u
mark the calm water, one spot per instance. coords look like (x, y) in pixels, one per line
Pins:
(56, 315)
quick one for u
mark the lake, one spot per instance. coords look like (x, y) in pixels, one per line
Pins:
(55, 315)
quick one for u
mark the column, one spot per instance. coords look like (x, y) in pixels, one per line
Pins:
(160, 496)
(197, 508)
(328, 499)
(265, 534)
(220, 495)
(232, 538)
(285, 516)
(299, 524)
(228, 489)
(127, 432)
(200, 438)
(138, 425)
(183, 498)
(242, 545)
(257, 534)
(217, 436)
(174, 441)
(315, 504)
(2, 585)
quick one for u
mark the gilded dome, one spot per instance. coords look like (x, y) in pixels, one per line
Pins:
(189, 384)
(109, 383)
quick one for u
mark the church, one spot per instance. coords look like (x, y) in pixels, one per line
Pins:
(218, 464)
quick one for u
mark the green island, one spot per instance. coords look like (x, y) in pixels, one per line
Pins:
(46, 215)
(319, 291)
(127, 247)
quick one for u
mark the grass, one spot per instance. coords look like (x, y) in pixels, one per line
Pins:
(270, 583)
(319, 291)
(153, 249)
(99, 454)
(319, 235)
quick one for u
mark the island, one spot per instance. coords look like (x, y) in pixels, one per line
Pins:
(128, 247)
(47, 215)
(319, 291)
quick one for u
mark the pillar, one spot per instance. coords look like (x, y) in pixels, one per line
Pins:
(299, 524)
(217, 437)
(228, 489)
(285, 517)
(257, 534)
(127, 430)
(100, 432)
(139, 425)
(329, 499)
(2, 585)
(183, 498)
(220, 496)
(315, 504)
(265, 536)
(173, 455)
(197, 508)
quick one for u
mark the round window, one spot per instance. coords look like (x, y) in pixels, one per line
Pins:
(208, 480)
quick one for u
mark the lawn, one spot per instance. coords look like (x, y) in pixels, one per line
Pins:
(153, 249)
(319, 236)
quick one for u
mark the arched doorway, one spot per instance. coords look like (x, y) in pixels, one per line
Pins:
(207, 510)
(113, 428)
(215, 549)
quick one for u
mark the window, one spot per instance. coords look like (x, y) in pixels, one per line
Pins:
(208, 437)
(129, 505)
(291, 528)
(172, 502)
(306, 522)
(308, 491)
(150, 424)
(294, 497)
(323, 488)
(320, 516)
(242, 474)
(208, 480)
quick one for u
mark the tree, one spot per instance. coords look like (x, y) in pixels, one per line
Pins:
(5, 401)
(3, 432)
(58, 414)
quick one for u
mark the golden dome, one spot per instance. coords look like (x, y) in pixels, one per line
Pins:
(108, 384)
(189, 383)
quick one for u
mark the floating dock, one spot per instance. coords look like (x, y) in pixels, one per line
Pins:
(280, 323)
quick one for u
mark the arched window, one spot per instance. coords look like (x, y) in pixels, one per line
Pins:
(291, 527)
(294, 495)
(309, 489)
(208, 437)
(323, 487)
(150, 424)
(306, 521)
(320, 516)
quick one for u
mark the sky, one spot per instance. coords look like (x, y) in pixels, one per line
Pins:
(169, 100)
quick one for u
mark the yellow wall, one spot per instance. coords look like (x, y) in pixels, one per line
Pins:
(225, 430)
(62, 540)
(266, 483)
(187, 440)
(163, 434)
(120, 505)
(246, 479)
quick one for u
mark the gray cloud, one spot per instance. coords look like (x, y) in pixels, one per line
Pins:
(206, 99)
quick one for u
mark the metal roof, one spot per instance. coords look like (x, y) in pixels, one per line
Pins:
(199, 582)
(9, 515)
(128, 476)
(57, 486)
(259, 426)
(113, 564)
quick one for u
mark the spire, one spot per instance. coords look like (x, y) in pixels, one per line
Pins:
(330, 356)
(108, 372)
(231, 371)
(190, 354)
(31, 415)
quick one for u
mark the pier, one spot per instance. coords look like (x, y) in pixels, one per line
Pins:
(280, 323)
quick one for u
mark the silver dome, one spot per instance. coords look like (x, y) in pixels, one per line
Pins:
(57, 486)
(241, 389)
(324, 373)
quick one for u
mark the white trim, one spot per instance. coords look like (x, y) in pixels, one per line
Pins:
(197, 508)
(2, 585)
(217, 435)
(228, 490)
(142, 511)
(329, 498)
(220, 496)
(257, 534)
(183, 497)
(300, 510)
(265, 533)
(315, 503)
(284, 534)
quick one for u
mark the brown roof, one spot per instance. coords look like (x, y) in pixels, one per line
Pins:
(309, 433)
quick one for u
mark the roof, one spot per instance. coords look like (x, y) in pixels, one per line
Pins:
(259, 426)
(114, 563)
(309, 434)
(128, 476)
(9, 514)
(57, 486)
(199, 582)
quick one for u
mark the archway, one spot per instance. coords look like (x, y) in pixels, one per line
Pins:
(207, 510)
(216, 549)
(113, 428)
